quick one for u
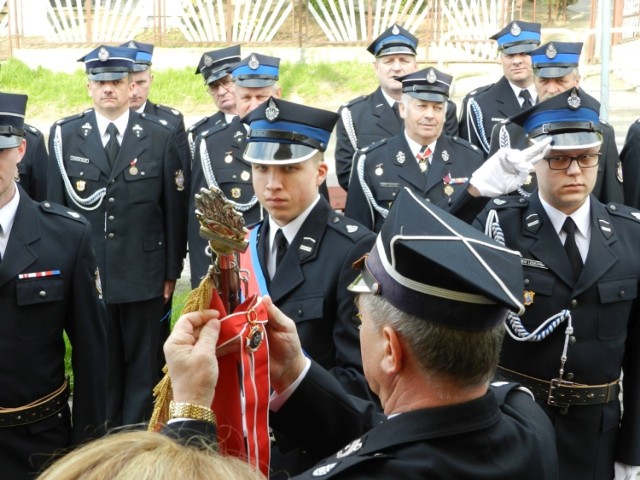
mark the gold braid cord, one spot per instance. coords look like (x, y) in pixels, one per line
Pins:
(223, 228)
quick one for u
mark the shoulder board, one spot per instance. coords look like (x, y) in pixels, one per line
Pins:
(479, 90)
(624, 211)
(348, 227)
(354, 101)
(57, 209)
(32, 129)
(373, 146)
(507, 201)
(603, 122)
(197, 124)
(463, 142)
(72, 117)
(172, 111)
(215, 129)
(156, 119)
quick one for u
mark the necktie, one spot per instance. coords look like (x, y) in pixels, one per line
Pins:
(423, 158)
(112, 147)
(526, 96)
(396, 110)
(571, 247)
(281, 246)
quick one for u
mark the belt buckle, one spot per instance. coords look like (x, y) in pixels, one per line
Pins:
(557, 383)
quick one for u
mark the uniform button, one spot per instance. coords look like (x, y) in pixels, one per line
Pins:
(570, 376)
(428, 200)
(81, 173)
(335, 220)
(300, 312)
(159, 244)
(59, 415)
(42, 293)
(612, 207)
(574, 303)
(527, 281)
(111, 235)
(522, 200)
(564, 411)
(572, 340)
(621, 293)
(113, 180)
(111, 200)
(47, 204)
(111, 218)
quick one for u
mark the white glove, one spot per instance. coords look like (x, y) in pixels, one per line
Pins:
(625, 472)
(508, 169)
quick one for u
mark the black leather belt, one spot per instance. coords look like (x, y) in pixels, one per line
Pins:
(561, 393)
(35, 411)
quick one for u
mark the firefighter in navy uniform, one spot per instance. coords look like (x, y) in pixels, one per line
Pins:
(421, 157)
(433, 295)
(487, 106)
(217, 158)
(32, 169)
(122, 170)
(215, 67)
(49, 284)
(142, 79)
(580, 331)
(555, 69)
(369, 118)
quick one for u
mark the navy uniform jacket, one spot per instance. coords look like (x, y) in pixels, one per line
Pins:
(174, 118)
(34, 312)
(138, 230)
(630, 158)
(604, 308)
(205, 123)
(503, 435)
(224, 144)
(485, 107)
(608, 187)
(372, 119)
(389, 165)
(32, 169)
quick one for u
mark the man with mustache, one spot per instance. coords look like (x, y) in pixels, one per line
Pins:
(121, 169)
(372, 117)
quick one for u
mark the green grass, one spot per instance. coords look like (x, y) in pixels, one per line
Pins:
(54, 95)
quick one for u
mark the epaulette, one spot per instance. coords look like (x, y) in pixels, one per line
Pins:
(478, 90)
(624, 211)
(156, 119)
(32, 129)
(507, 201)
(197, 124)
(347, 227)
(463, 142)
(215, 129)
(373, 146)
(354, 101)
(172, 111)
(73, 117)
(57, 209)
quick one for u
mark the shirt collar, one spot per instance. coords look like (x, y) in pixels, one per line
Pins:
(581, 217)
(290, 230)
(390, 100)
(120, 123)
(532, 90)
(7, 217)
(416, 147)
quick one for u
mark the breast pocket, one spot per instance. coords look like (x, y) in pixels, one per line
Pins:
(538, 289)
(616, 297)
(84, 177)
(144, 182)
(38, 298)
(236, 183)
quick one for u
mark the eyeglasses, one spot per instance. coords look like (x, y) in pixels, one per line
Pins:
(563, 162)
(225, 85)
(359, 322)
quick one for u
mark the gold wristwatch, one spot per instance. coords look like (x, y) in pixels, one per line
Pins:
(191, 411)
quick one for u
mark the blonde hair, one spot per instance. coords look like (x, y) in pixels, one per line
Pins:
(142, 455)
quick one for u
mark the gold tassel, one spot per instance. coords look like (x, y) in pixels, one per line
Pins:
(198, 299)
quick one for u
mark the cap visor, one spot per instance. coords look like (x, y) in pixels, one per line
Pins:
(10, 141)
(217, 75)
(396, 50)
(141, 67)
(520, 48)
(359, 285)
(107, 76)
(552, 72)
(272, 153)
(255, 82)
(573, 140)
(429, 96)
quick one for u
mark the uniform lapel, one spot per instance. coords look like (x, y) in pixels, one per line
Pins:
(547, 246)
(133, 144)
(304, 248)
(385, 117)
(19, 254)
(440, 164)
(600, 257)
(406, 164)
(90, 144)
(507, 102)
